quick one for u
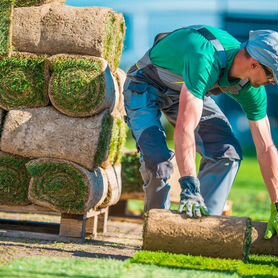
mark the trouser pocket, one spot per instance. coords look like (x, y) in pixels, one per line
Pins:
(136, 95)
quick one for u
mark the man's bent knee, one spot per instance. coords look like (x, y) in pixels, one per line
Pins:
(153, 147)
(162, 170)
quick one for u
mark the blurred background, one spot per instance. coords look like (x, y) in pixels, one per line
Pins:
(146, 18)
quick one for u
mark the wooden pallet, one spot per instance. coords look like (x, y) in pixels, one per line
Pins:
(71, 226)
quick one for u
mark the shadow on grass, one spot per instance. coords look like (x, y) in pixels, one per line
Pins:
(84, 254)
(46, 245)
(112, 245)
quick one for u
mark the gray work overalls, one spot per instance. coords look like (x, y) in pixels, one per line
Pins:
(150, 90)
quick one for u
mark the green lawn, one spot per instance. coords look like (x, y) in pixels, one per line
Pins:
(249, 194)
(257, 266)
(144, 264)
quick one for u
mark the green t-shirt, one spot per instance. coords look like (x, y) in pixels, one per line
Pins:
(190, 55)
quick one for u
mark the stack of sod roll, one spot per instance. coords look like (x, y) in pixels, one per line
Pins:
(62, 128)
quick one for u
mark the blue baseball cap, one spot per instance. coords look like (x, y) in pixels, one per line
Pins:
(263, 47)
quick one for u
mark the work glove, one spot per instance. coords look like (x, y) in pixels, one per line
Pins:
(191, 200)
(272, 226)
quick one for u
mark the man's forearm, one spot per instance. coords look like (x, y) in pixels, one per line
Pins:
(190, 111)
(185, 152)
(268, 161)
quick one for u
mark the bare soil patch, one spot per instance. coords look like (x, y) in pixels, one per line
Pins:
(122, 241)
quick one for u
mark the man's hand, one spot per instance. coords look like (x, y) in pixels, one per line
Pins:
(191, 201)
(272, 226)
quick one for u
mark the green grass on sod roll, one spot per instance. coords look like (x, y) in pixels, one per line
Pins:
(114, 42)
(14, 180)
(119, 44)
(23, 82)
(78, 85)
(248, 240)
(104, 140)
(110, 41)
(121, 125)
(117, 141)
(28, 3)
(5, 22)
(59, 184)
(111, 141)
(113, 148)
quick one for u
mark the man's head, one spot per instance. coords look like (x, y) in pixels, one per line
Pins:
(262, 46)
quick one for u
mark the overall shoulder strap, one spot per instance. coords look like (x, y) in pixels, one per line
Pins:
(222, 55)
(215, 42)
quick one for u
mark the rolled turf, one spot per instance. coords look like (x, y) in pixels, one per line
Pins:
(6, 15)
(81, 86)
(56, 29)
(23, 81)
(260, 246)
(65, 186)
(14, 180)
(217, 237)
(44, 132)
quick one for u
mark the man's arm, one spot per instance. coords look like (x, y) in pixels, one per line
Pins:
(267, 155)
(268, 160)
(190, 111)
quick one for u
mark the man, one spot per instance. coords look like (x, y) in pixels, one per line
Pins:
(176, 76)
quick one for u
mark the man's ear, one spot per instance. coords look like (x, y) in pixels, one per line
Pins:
(254, 64)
